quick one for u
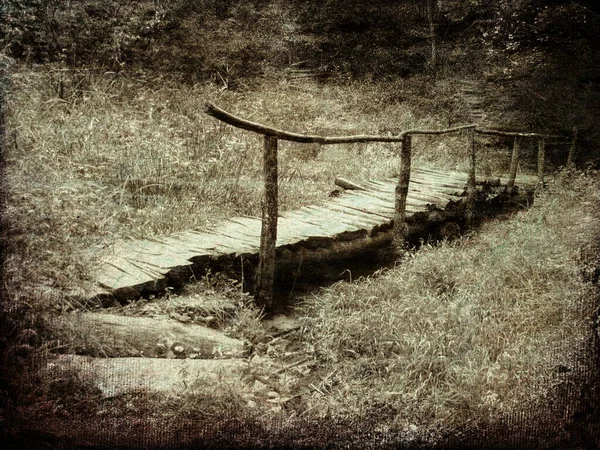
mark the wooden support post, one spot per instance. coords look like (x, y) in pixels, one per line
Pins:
(572, 148)
(541, 158)
(402, 190)
(268, 237)
(514, 163)
(471, 181)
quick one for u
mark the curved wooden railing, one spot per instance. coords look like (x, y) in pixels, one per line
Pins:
(266, 265)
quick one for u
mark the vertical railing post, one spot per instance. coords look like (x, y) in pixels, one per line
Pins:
(514, 163)
(471, 182)
(402, 190)
(572, 148)
(541, 159)
(268, 237)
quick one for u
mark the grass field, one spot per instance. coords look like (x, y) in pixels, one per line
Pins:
(463, 332)
(469, 329)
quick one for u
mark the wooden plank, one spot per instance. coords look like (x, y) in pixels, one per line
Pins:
(386, 212)
(302, 224)
(159, 257)
(456, 177)
(428, 186)
(435, 183)
(414, 192)
(378, 197)
(353, 221)
(422, 185)
(300, 231)
(419, 186)
(387, 201)
(253, 224)
(419, 197)
(241, 228)
(121, 275)
(315, 224)
(381, 218)
(133, 267)
(362, 200)
(307, 215)
(147, 247)
(340, 220)
(342, 212)
(188, 244)
(412, 198)
(191, 240)
(431, 197)
(236, 232)
(219, 243)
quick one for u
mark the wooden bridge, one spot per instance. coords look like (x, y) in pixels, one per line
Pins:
(372, 214)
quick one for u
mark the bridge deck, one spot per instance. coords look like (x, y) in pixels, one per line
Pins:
(134, 267)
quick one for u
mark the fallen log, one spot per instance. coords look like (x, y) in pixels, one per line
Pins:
(348, 185)
(112, 335)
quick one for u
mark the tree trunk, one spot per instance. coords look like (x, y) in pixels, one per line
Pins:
(432, 34)
(572, 148)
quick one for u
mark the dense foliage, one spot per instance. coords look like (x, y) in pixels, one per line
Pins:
(537, 57)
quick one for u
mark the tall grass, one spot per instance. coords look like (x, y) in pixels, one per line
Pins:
(130, 156)
(466, 331)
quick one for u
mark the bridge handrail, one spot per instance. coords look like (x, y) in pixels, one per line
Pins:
(247, 125)
(266, 265)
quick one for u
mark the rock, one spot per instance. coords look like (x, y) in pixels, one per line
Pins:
(208, 320)
(282, 324)
(113, 335)
(203, 306)
(183, 318)
(178, 349)
(116, 376)
(259, 386)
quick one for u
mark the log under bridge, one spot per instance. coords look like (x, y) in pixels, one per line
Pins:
(359, 218)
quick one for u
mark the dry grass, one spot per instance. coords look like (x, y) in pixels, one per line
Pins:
(465, 331)
(456, 332)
